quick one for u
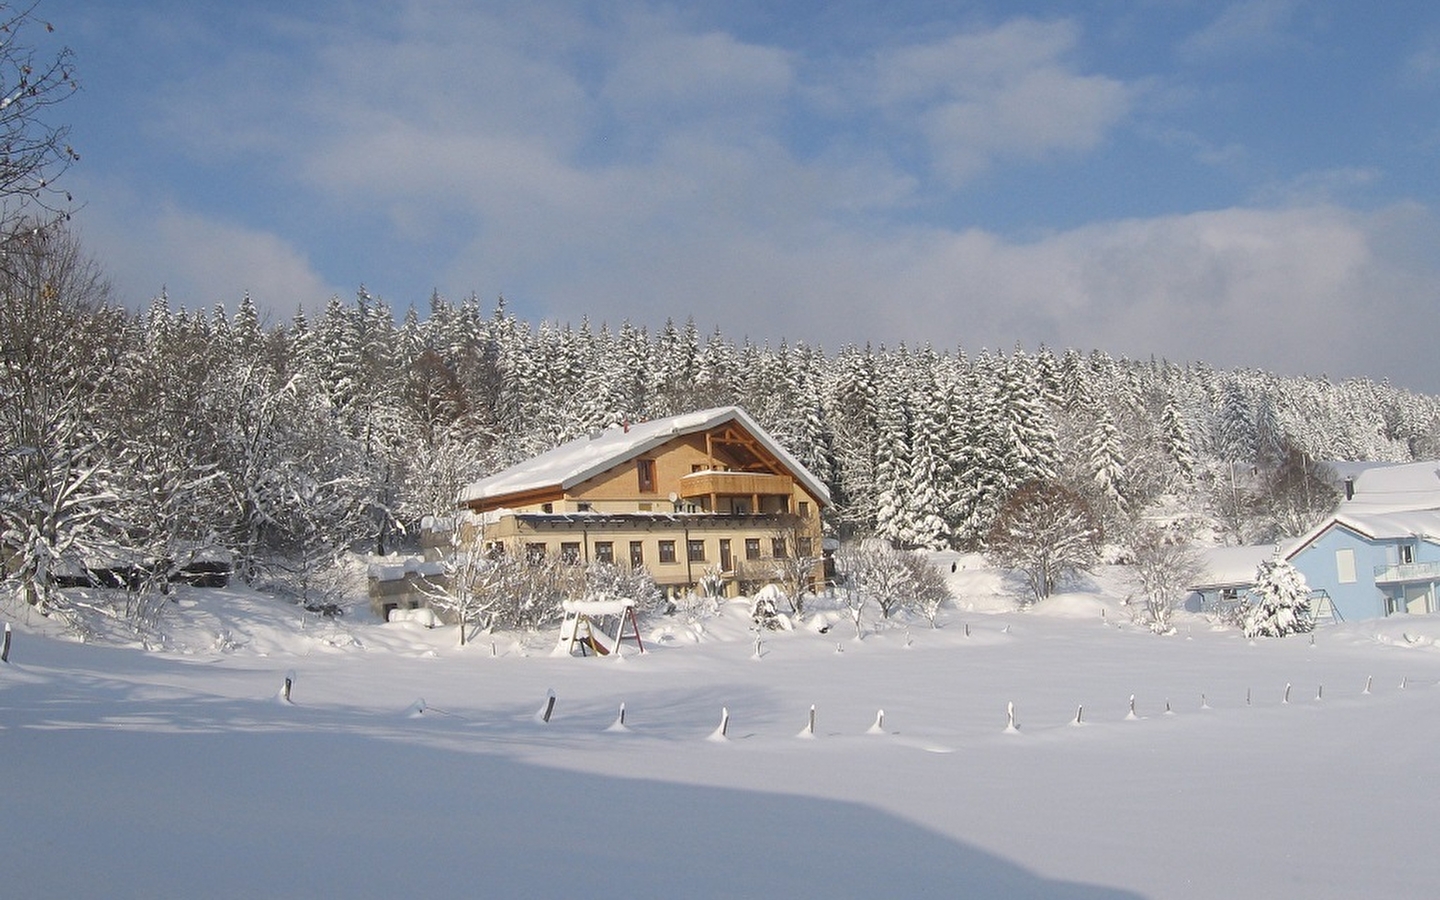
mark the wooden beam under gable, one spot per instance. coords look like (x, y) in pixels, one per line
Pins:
(731, 435)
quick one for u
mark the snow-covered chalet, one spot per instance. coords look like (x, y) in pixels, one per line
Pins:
(684, 496)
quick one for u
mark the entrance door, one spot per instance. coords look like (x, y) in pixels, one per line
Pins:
(1417, 598)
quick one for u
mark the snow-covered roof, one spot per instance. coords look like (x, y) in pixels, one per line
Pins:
(585, 457)
(1389, 501)
(1423, 524)
(1235, 566)
(395, 569)
(1390, 487)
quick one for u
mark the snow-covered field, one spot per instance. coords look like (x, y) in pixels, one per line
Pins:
(408, 766)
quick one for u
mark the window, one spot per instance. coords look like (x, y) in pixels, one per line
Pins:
(805, 546)
(695, 550)
(1345, 566)
(777, 548)
(804, 509)
(535, 553)
(547, 507)
(605, 551)
(570, 552)
(752, 548)
(583, 506)
(645, 472)
(667, 551)
(1407, 554)
(726, 562)
(740, 507)
(637, 554)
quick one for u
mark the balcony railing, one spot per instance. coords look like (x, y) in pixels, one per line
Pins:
(734, 484)
(1421, 571)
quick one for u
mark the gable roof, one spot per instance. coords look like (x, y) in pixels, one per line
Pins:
(1389, 502)
(585, 457)
(1423, 524)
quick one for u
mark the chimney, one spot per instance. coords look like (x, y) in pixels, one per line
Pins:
(1350, 488)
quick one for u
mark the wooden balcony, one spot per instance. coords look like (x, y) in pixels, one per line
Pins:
(734, 484)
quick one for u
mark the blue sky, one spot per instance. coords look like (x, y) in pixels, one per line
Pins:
(1248, 184)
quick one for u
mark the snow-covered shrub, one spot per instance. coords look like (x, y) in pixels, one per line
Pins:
(927, 590)
(1279, 603)
(607, 581)
(763, 611)
(1163, 566)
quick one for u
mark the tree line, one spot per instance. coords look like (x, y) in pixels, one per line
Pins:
(156, 434)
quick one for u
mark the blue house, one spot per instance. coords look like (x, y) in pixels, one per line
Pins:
(1377, 554)
(1373, 565)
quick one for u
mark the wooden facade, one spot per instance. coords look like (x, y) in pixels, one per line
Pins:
(683, 497)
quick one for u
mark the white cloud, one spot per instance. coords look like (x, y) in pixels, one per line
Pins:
(981, 97)
(197, 261)
(1246, 27)
(681, 72)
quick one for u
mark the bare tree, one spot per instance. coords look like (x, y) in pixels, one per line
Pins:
(927, 591)
(34, 151)
(1045, 531)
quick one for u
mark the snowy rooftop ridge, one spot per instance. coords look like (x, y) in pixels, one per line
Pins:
(587, 456)
(1390, 487)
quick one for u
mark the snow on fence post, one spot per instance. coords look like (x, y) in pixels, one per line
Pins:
(619, 723)
(1079, 715)
(1204, 703)
(1320, 692)
(1404, 682)
(544, 714)
(1011, 726)
(1368, 680)
(285, 688)
(719, 733)
(1131, 714)
(809, 730)
(879, 726)
(1287, 693)
(5, 650)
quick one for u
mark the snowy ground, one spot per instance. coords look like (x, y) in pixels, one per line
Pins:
(407, 766)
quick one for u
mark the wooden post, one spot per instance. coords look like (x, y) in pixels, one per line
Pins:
(1080, 714)
(1368, 680)
(810, 729)
(5, 649)
(549, 707)
(1287, 693)
(285, 689)
(724, 720)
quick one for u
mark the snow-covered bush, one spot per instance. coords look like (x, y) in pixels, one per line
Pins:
(1279, 603)
(607, 581)
(1163, 565)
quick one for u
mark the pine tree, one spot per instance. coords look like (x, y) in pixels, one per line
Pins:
(1279, 602)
